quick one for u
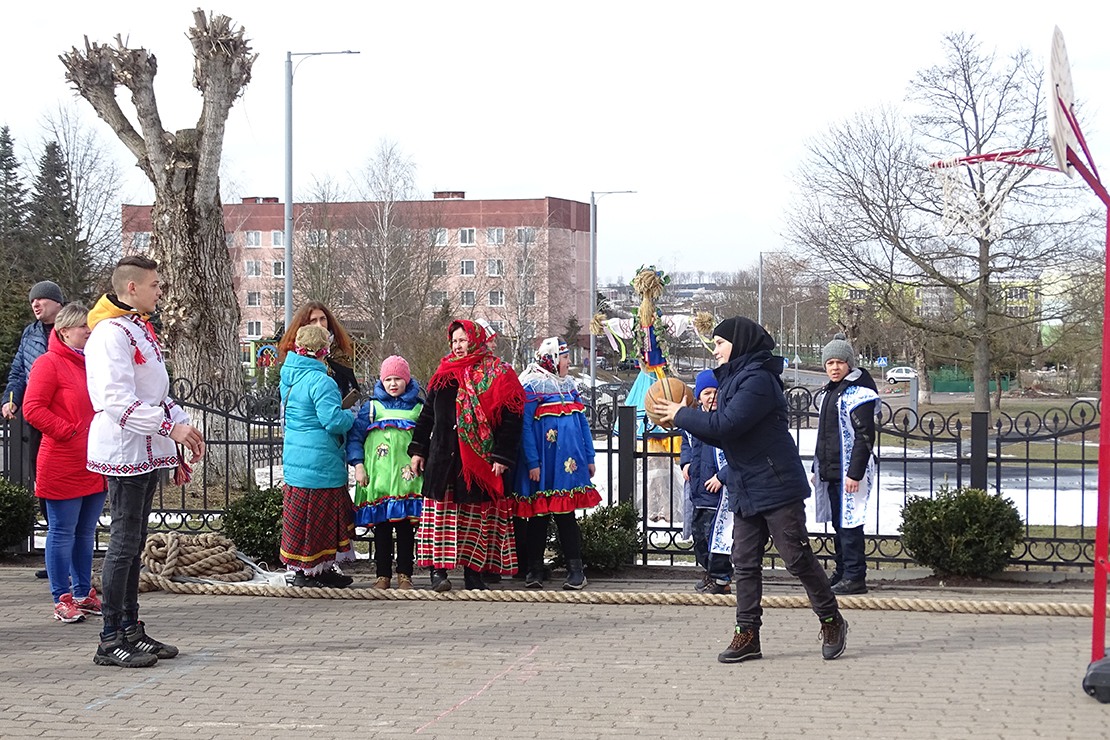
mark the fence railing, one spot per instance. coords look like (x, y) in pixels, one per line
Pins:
(1045, 463)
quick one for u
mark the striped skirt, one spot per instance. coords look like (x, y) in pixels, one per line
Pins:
(316, 528)
(476, 536)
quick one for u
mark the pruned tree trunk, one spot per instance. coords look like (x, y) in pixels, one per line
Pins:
(198, 310)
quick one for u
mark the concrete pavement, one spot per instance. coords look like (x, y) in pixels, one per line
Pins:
(292, 668)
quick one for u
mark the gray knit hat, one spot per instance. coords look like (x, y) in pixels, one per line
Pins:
(839, 349)
(46, 289)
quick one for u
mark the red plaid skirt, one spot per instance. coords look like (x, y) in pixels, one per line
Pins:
(316, 528)
(478, 536)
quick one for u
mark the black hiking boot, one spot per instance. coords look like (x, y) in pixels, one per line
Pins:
(744, 646)
(440, 583)
(117, 651)
(472, 580)
(834, 636)
(136, 635)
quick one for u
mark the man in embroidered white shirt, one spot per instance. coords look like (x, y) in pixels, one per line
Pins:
(132, 439)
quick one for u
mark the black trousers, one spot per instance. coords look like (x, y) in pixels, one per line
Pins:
(383, 547)
(570, 538)
(787, 525)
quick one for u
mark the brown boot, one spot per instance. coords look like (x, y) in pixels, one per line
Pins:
(381, 582)
(404, 582)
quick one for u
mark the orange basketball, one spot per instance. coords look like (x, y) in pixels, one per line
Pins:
(671, 389)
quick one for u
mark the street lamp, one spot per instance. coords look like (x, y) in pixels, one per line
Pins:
(796, 358)
(289, 172)
(594, 196)
(759, 300)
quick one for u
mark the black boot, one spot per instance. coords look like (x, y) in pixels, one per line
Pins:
(472, 580)
(439, 581)
(576, 576)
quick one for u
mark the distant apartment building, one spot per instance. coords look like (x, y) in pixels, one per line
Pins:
(523, 265)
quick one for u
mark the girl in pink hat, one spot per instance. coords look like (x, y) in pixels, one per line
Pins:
(387, 490)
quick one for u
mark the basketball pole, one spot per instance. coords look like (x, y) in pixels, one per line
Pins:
(1102, 525)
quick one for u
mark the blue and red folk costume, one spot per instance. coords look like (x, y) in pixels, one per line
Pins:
(557, 440)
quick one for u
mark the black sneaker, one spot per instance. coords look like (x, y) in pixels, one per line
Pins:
(835, 578)
(117, 651)
(41, 573)
(300, 580)
(717, 587)
(703, 584)
(744, 646)
(850, 587)
(333, 579)
(534, 579)
(834, 636)
(137, 637)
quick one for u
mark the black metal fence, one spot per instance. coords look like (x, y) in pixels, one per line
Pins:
(1046, 463)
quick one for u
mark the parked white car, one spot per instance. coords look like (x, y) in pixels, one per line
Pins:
(900, 374)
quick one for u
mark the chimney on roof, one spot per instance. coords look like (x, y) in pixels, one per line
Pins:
(449, 195)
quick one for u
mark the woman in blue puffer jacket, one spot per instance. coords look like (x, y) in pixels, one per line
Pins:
(317, 513)
(767, 485)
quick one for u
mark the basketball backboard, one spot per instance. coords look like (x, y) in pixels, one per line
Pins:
(1060, 129)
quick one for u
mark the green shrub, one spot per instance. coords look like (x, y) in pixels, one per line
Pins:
(968, 532)
(17, 514)
(610, 538)
(253, 523)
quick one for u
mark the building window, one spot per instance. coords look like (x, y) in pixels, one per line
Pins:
(254, 298)
(1017, 294)
(439, 237)
(497, 298)
(279, 268)
(495, 235)
(525, 235)
(277, 299)
(437, 297)
(468, 237)
(468, 298)
(229, 239)
(254, 328)
(253, 268)
(317, 238)
(439, 267)
(495, 268)
(467, 268)
(497, 326)
(529, 298)
(140, 240)
(277, 238)
(254, 238)
(857, 294)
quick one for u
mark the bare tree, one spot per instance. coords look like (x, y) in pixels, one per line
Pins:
(323, 241)
(200, 315)
(393, 255)
(869, 208)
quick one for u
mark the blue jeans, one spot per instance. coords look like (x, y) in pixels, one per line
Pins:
(69, 543)
(848, 542)
(130, 499)
(718, 566)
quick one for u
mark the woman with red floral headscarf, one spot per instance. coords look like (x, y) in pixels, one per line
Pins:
(464, 443)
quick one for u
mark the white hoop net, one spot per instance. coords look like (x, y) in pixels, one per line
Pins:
(969, 208)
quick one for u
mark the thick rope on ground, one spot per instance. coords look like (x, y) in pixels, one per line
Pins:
(879, 603)
(169, 555)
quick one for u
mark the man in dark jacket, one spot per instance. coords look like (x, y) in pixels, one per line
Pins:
(46, 301)
(767, 485)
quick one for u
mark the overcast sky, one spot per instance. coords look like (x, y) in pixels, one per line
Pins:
(703, 108)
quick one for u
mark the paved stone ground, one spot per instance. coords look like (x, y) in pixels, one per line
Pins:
(291, 668)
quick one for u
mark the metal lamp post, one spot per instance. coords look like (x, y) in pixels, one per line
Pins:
(594, 196)
(289, 172)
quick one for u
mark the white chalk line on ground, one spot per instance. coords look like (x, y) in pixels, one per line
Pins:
(515, 664)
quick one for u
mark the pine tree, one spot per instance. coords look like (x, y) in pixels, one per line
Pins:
(14, 282)
(59, 251)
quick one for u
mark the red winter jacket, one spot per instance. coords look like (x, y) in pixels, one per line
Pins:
(57, 404)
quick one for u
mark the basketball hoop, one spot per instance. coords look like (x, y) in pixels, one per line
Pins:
(963, 211)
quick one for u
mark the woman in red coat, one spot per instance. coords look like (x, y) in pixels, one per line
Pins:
(57, 404)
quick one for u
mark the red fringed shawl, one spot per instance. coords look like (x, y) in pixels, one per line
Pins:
(488, 387)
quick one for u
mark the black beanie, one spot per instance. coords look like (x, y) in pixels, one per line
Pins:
(746, 336)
